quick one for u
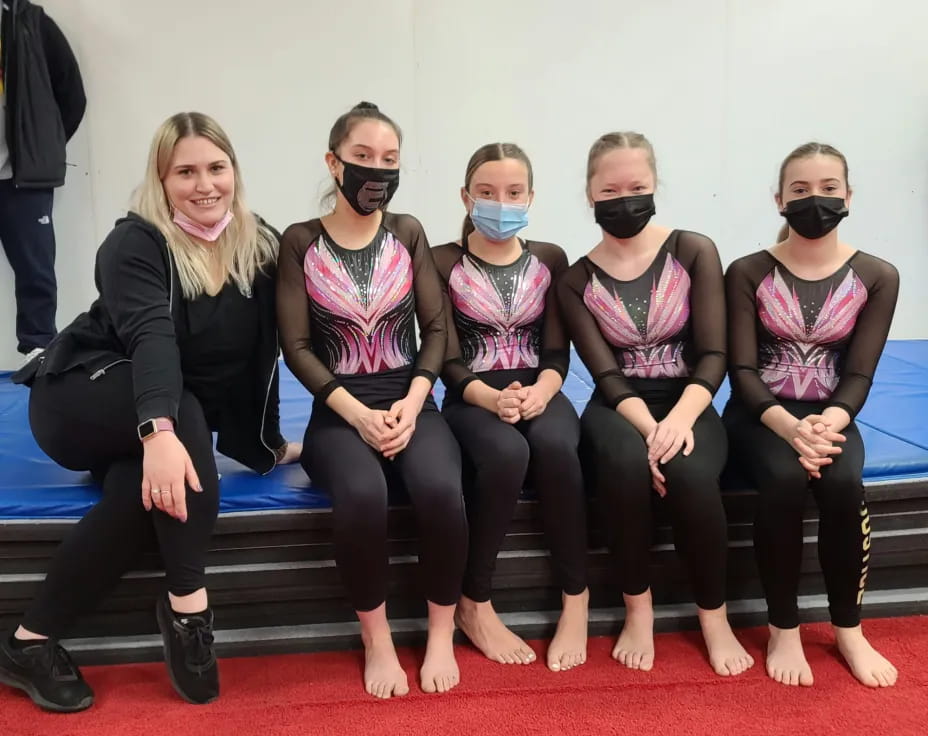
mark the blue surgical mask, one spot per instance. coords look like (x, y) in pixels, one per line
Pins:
(497, 221)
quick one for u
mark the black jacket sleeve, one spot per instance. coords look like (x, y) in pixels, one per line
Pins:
(136, 290)
(65, 75)
(271, 434)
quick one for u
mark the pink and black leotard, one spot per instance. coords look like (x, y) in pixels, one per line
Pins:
(505, 327)
(347, 320)
(806, 346)
(650, 337)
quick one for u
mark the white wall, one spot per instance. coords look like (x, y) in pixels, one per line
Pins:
(723, 88)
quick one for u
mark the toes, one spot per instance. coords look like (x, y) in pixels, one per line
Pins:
(428, 685)
(647, 662)
(401, 689)
(554, 665)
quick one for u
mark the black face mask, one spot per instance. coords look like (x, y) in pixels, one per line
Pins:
(624, 217)
(814, 217)
(368, 189)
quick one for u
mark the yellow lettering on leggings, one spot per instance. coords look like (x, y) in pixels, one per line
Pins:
(865, 560)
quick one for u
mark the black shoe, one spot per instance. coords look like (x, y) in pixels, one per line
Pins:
(44, 670)
(188, 653)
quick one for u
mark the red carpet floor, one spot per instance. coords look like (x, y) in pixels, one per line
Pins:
(322, 694)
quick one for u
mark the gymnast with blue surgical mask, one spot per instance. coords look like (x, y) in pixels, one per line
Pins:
(506, 360)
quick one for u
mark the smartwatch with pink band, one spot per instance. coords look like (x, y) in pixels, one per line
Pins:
(151, 427)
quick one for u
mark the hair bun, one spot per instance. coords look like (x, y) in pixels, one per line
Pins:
(366, 106)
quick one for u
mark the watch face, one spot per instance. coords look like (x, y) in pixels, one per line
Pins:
(147, 428)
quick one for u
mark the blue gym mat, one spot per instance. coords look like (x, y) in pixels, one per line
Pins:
(33, 487)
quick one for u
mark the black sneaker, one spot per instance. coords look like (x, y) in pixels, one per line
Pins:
(44, 670)
(189, 653)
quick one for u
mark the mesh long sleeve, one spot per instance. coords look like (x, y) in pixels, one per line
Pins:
(597, 355)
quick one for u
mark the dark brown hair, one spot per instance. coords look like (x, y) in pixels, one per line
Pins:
(346, 122)
(342, 129)
(805, 151)
(485, 154)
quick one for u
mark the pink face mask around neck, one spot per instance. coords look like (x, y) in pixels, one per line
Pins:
(209, 234)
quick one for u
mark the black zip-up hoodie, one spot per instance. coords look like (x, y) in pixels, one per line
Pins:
(45, 99)
(138, 318)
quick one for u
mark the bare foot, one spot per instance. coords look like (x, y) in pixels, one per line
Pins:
(866, 663)
(439, 671)
(726, 655)
(635, 646)
(482, 625)
(568, 647)
(383, 675)
(786, 661)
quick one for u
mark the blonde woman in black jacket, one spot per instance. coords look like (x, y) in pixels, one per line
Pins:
(180, 343)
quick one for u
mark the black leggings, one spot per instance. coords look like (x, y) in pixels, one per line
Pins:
(616, 458)
(91, 425)
(499, 456)
(356, 478)
(783, 487)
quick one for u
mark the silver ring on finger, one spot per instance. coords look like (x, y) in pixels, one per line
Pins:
(155, 491)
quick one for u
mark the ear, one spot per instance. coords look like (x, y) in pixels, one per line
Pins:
(465, 198)
(332, 163)
(531, 198)
(847, 198)
(589, 197)
(779, 200)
